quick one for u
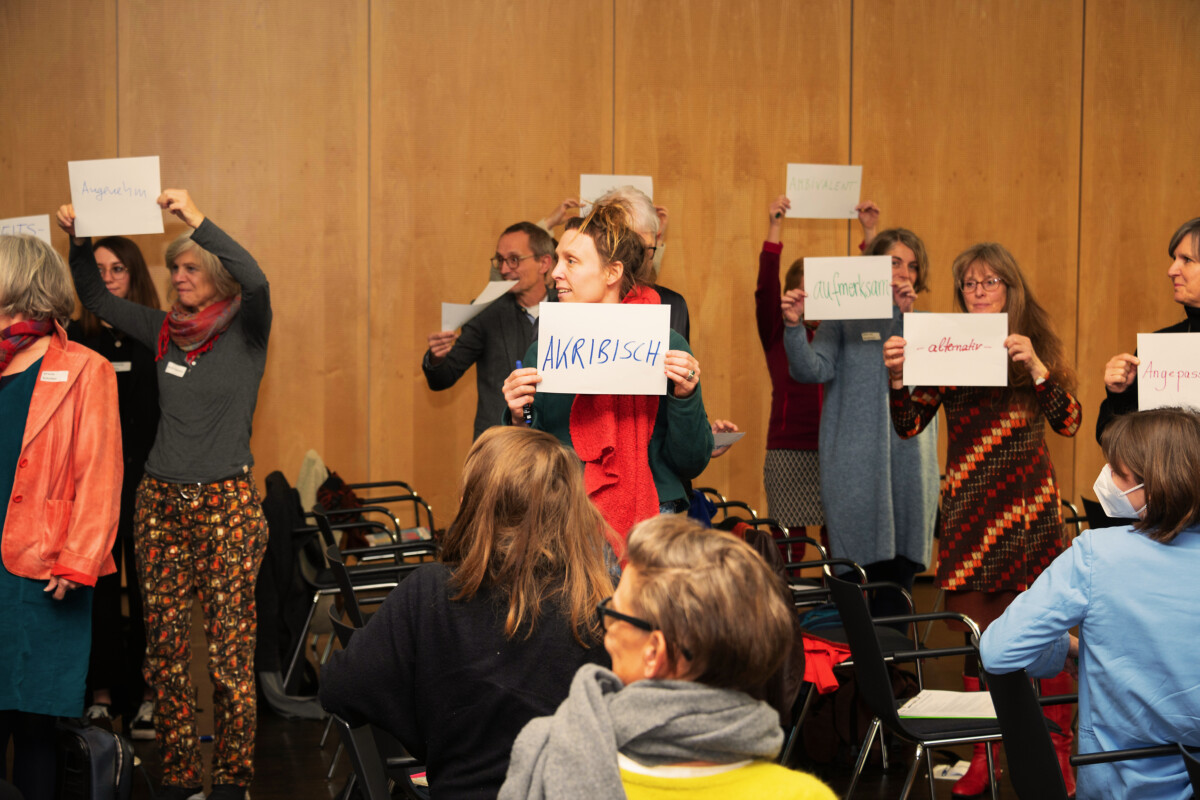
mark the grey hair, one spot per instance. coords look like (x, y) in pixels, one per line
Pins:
(224, 282)
(640, 207)
(34, 281)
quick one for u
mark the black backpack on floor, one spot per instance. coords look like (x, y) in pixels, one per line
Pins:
(93, 763)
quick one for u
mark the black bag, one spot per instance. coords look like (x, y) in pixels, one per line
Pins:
(93, 764)
(837, 722)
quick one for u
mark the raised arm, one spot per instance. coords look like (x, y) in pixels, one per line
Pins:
(767, 310)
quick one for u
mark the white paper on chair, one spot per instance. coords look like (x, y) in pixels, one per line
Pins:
(37, 225)
(455, 315)
(1169, 374)
(955, 350)
(116, 196)
(823, 191)
(603, 348)
(941, 704)
(857, 287)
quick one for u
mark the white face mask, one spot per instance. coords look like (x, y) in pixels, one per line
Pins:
(1114, 501)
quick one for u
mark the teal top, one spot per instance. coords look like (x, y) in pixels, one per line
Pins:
(680, 447)
(44, 656)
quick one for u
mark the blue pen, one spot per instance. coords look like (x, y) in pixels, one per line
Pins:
(528, 408)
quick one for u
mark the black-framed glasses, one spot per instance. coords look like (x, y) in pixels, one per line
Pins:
(603, 610)
(512, 261)
(989, 285)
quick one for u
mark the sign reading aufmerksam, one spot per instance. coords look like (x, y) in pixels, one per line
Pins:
(848, 288)
(603, 348)
(955, 349)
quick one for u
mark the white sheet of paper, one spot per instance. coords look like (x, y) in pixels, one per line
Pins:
(859, 287)
(591, 187)
(603, 348)
(955, 350)
(116, 196)
(941, 704)
(455, 315)
(823, 191)
(726, 438)
(1169, 374)
(38, 225)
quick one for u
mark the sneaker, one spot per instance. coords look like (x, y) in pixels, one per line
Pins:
(142, 727)
(180, 793)
(228, 791)
(99, 714)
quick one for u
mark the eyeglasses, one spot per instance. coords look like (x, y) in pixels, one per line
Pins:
(989, 285)
(512, 261)
(602, 611)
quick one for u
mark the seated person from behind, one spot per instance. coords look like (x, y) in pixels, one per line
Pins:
(463, 653)
(697, 622)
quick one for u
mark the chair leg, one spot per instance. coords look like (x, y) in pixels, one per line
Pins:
(929, 770)
(991, 770)
(786, 757)
(333, 762)
(288, 688)
(325, 735)
(912, 772)
(862, 757)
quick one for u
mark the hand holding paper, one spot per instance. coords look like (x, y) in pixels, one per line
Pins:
(1120, 371)
(868, 217)
(1020, 350)
(684, 371)
(893, 359)
(180, 203)
(66, 220)
(725, 433)
(440, 344)
(792, 305)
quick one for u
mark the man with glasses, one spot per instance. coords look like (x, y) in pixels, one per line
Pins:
(497, 338)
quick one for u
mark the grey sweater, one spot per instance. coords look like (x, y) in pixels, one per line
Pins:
(207, 413)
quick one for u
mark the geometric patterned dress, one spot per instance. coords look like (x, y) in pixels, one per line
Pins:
(1001, 518)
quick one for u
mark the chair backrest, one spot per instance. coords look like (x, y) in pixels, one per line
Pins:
(874, 681)
(345, 585)
(1193, 766)
(364, 755)
(341, 629)
(1032, 763)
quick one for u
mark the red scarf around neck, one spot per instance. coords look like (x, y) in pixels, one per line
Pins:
(18, 336)
(195, 332)
(611, 434)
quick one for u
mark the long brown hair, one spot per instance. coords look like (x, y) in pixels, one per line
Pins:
(526, 528)
(141, 288)
(610, 227)
(1025, 315)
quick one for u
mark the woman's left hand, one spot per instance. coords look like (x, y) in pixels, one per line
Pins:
(179, 203)
(1020, 350)
(722, 426)
(60, 586)
(684, 370)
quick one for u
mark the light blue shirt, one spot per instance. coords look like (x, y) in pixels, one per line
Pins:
(1134, 601)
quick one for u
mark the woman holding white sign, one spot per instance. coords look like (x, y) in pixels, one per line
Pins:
(637, 449)
(1001, 517)
(199, 523)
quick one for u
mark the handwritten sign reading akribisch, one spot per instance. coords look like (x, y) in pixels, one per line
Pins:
(603, 348)
(1169, 374)
(37, 225)
(823, 191)
(116, 196)
(848, 288)
(955, 350)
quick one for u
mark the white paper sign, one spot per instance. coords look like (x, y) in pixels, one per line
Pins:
(37, 225)
(726, 438)
(823, 191)
(603, 348)
(455, 315)
(955, 349)
(848, 288)
(1169, 374)
(591, 187)
(116, 196)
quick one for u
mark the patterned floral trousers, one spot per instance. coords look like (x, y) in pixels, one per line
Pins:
(206, 539)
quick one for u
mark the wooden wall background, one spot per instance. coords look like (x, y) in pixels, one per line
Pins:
(369, 152)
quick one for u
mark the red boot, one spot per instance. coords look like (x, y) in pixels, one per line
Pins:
(975, 782)
(1063, 716)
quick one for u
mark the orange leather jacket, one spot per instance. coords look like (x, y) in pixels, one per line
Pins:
(66, 497)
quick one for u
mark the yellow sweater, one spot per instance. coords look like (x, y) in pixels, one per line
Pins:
(761, 780)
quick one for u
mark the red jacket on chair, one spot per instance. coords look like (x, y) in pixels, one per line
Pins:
(66, 497)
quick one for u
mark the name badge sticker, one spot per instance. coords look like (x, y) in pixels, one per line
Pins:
(871, 336)
(54, 376)
(122, 366)
(178, 370)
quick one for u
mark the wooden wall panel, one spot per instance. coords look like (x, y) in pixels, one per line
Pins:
(58, 92)
(483, 113)
(966, 119)
(713, 100)
(261, 112)
(1140, 123)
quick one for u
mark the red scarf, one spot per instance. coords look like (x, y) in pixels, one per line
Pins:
(18, 336)
(196, 332)
(618, 478)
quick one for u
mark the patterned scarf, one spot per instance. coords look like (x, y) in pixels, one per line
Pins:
(611, 435)
(196, 332)
(18, 336)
